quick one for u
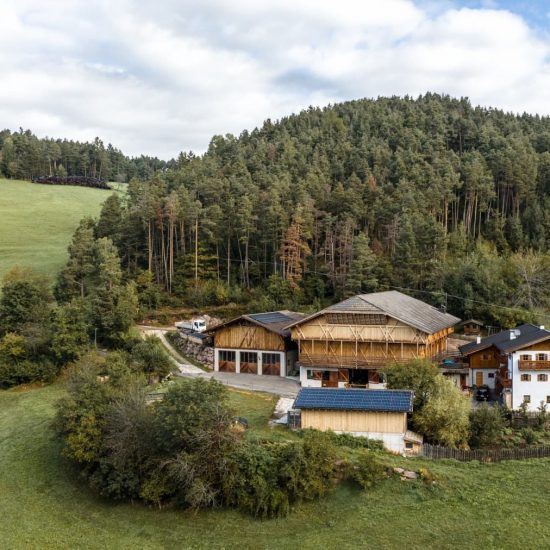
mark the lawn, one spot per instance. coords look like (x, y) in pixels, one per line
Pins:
(38, 221)
(43, 505)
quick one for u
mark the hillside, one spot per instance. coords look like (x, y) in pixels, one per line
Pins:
(476, 505)
(447, 200)
(38, 222)
(434, 196)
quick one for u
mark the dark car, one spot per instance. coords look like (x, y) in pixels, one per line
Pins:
(482, 393)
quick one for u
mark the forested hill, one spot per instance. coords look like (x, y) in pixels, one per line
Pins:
(427, 194)
(24, 156)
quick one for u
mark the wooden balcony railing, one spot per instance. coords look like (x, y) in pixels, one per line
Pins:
(348, 362)
(533, 365)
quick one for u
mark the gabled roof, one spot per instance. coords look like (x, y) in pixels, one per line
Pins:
(354, 400)
(406, 309)
(526, 335)
(274, 321)
(472, 322)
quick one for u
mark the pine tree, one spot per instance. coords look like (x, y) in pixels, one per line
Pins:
(362, 274)
(74, 280)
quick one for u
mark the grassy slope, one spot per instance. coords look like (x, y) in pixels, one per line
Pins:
(43, 506)
(37, 222)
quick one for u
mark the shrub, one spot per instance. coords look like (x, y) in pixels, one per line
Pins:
(150, 357)
(444, 419)
(348, 440)
(486, 426)
(368, 470)
(23, 372)
(530, 436)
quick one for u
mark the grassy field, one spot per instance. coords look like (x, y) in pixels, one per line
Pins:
(43, 505)
(37, 222)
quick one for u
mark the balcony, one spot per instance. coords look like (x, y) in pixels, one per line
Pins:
(533, 365)
(322, 360)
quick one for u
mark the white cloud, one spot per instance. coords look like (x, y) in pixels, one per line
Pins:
(160, 77)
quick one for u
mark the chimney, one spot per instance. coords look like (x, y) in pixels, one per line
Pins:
(542, 327)
(512, 334)
(478, 340)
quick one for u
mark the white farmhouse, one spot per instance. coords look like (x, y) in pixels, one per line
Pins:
(514, 363)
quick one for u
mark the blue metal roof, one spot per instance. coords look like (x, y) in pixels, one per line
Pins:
(354, 399)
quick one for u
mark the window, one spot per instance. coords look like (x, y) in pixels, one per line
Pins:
(541, 356)
(548, 398)
(485, 357)
(542, 377)
(490, 375)
(525, 357)
(526, 378)
(527, 399)
(408, 445)
(270, 358)
(249, 357)
(225, 355)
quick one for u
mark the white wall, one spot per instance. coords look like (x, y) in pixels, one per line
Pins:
(486, 380)
(537, 390)
(282, 359)
(310, 383)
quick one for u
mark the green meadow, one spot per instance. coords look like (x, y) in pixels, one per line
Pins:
(44, 505)
(37, 222)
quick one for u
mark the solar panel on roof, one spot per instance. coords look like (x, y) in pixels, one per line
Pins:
(354, 399)
(273, 317)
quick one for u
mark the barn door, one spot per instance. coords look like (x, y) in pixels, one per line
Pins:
(330, 379)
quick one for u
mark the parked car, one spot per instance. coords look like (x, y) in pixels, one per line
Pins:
(482, 393)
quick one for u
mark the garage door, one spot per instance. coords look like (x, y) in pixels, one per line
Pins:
(249, 362)
(226, 361)
(271, 364)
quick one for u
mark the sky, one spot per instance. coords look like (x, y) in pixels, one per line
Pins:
(164, 76)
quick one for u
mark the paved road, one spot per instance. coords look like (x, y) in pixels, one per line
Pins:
(285, 387)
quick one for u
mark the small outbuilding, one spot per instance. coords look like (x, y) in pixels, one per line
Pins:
(257, 343)
(373, 413)
(471, 327)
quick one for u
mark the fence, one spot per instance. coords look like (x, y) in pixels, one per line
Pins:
(484, 455)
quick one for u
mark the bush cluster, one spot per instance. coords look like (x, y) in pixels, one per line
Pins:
(186, 451)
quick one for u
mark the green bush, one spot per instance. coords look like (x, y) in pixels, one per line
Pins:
(24, 372)
(368, 470)
(486, 426)
(530, 436)
(348, 440)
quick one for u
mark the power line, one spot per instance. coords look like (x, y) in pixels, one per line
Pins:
(431, 292)
(434, 292)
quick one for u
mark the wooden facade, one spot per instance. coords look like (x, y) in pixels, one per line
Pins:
(355, 421)
(489, 358)
(246, 335)
(322, 342)
(256, 344)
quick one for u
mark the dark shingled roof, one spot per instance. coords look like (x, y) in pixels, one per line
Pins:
(354, 400)
(528, 335)
(275, 321)
(410, 311)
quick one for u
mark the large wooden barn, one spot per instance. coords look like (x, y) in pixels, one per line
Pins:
(376, 414)
(348, 343)
(257, 343)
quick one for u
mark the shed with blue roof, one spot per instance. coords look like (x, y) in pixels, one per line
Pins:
(373, 413)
